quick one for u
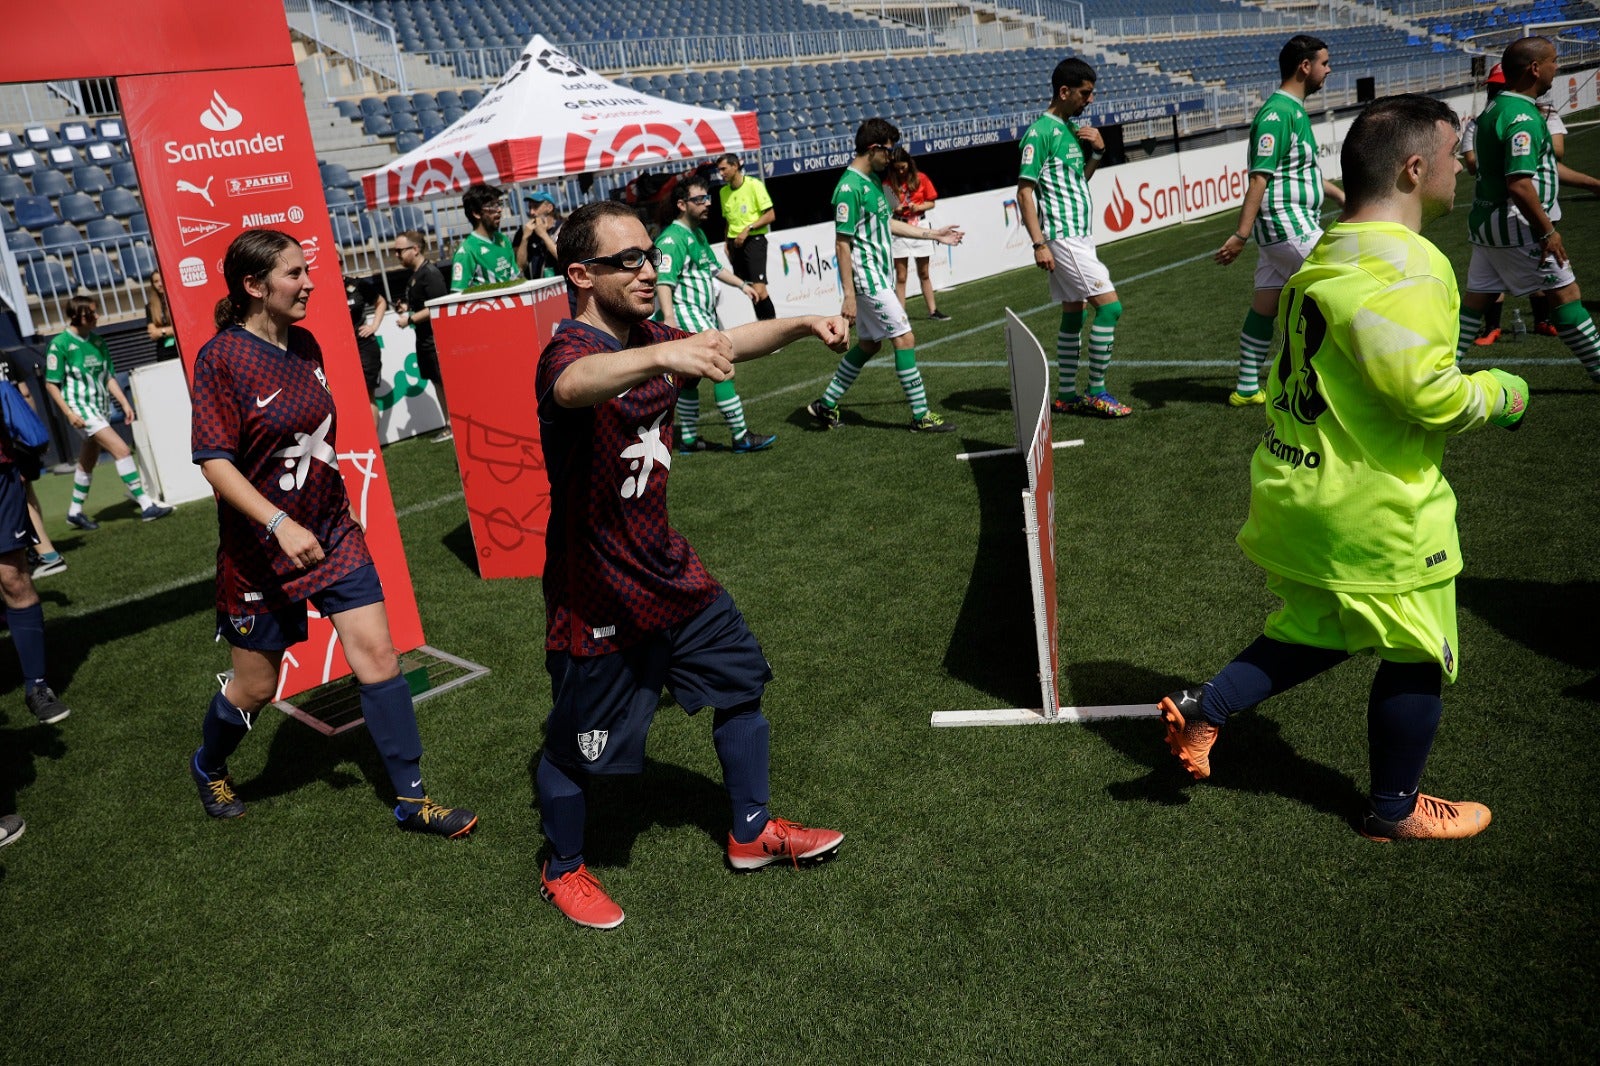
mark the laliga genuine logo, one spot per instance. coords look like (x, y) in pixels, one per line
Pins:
(219, 117)
(1119, 212)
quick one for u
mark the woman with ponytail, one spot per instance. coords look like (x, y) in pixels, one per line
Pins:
(263, 437)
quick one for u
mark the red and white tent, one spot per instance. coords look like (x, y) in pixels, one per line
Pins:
(550, 117)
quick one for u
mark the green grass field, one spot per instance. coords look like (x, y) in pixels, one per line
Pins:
(1009, 895)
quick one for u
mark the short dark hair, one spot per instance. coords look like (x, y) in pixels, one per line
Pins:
(577, 240)
(730, 159)
(1069, 74)
(416, 237)
(1522, 54)
(1301, 47)
(875, 131)
(79, 308)
(477, 198)
(1383, 137)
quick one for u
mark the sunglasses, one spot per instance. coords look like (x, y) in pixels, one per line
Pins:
(402, 249)
(629, 259)
(703, 198)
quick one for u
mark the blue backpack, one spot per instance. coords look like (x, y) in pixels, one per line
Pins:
(23, 425)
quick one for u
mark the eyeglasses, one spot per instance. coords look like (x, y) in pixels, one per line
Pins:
(703, 198)
(629, 259)
(876, 147)
(402, 249)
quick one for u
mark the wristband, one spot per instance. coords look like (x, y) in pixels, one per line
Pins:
(1241, 238)
(1038, 244)
(275, 521)
(1097, 155)
(1547, 236)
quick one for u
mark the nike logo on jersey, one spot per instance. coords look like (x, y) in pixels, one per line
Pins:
(262, 403)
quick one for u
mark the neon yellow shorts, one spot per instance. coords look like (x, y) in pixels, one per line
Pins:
(1405, 627)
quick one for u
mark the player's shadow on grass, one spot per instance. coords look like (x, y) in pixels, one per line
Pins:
(70, 641)
(1160, 392)
(978, 402)
(624, 807)
(1254, 756)
(23, 741)
(299, 756)
(1561, 628)
(854, 416)
(992, 646)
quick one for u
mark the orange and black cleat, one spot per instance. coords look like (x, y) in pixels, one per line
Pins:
(1189, 735)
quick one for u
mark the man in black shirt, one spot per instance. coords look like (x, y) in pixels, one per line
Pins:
(426, 283)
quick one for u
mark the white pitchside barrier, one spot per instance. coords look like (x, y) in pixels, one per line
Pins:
(1030, 405)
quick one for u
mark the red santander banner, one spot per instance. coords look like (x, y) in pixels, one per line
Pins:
(219, 152)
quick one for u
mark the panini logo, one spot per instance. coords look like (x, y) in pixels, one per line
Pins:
(197, 229)
(259, 183)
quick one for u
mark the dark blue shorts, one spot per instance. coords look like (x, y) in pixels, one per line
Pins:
(603, 706)
(286, 627)
(16, 528)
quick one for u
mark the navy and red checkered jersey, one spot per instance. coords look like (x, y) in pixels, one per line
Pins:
(269, 412)
(615, 571)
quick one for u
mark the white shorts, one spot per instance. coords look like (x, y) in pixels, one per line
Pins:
(1517, 271)
(93, 424)
(1079, 274)
(1276, 263)
(879, 316)
(908, 248)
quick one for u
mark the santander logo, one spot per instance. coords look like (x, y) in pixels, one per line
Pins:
(1119, 212)
(219, 117)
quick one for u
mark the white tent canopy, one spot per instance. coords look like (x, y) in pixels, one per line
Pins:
(549, 117)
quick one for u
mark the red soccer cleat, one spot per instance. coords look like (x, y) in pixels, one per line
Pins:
(580, 897)
(783, 840)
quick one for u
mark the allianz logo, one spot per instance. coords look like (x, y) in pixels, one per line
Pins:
(221, 117)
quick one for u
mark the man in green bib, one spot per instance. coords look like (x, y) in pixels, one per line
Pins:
(485, 256)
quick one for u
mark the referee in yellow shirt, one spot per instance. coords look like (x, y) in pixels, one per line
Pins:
(747, 209)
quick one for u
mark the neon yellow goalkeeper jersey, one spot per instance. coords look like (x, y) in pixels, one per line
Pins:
(1346, 489)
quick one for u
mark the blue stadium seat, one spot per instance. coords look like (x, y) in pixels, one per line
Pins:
(407, 142)
(377, 125)
(50, 183)
(46, 278)
(8, 223)
(120, 203)
(25, 162)
(9, 142)
(103, 154)
(23, 245)
(337, 197)
(35, 212)
(90, 179)
(336, 176)
(124, 176)
(138, 261)
(348, 109)
(410, 216)
(470, 98)
(377, 224)
(111, 129)
(97, 271)
(79, 207)
(63, 158)
(398, 105)
(105, 231)
(373, 105)
(75, 132)
(12, 187)
(344, 231)
(60, 239)
(40, 138)
(447, 98)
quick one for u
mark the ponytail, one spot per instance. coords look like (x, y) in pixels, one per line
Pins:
(226, 314)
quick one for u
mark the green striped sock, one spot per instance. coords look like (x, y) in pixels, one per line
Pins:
(905, 368)
(731, 406)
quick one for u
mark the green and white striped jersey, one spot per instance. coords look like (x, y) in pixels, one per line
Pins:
(1052, 159)
(479, 261)
(1512, 141)
(1283, 147)
(690, 266)
(81, 368)
(861, 212)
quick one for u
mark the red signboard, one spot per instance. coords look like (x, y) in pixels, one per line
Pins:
(489, 348)
(113, 38)
(219, 152)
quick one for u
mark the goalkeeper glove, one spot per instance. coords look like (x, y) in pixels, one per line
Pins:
(1513, 400)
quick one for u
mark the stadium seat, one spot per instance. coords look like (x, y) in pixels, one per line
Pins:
(105, 231)
(138, 261)
(25, 162)
(336, 176)
(120, 203)
(377, 125)
(344, 231)
(398, 105)
(23, 245)
(336, 197)
(471, 98)
(97, 271)
(9, 142)
(447, 98)
(63, 158)
(79, 207)
(40, 137)
(12, 187)
(407, 142)
(90, 179)
(102, 154)
(347, 109)
(405, 122)
(75, 133)
(46, 278)
(62, 240)
(410, 216)
(35, 212)
(51, 183)
(110, 129)
(124, 176)
(373, 105)
(138, 224)
(377, 224)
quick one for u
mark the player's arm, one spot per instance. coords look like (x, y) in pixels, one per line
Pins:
(1096, 145)
(430, 290)
(765, 218)
(522, 244)
(842, 245)
(1028, 208)
(1253, 195)
(380, 307)
(1404, 342)
(664, 296)
(1577, 178)
(1332, 191)
(596, 378)
(1469, 160)
(756, 339)
(943, 235)
(1520, 190)
(296, 541)
(61, 401)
